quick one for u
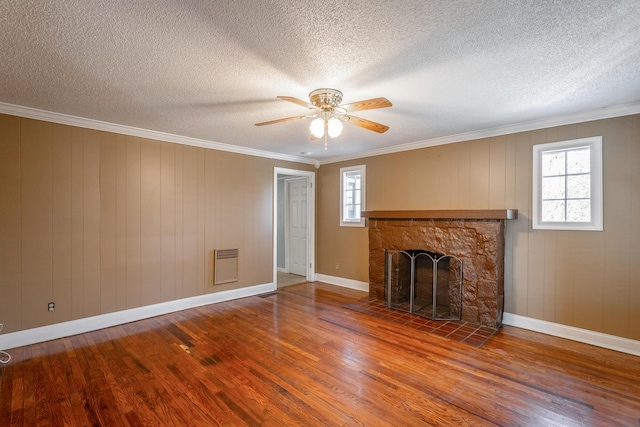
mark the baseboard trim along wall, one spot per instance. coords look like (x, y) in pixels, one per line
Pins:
(599, 339)
(345, 283)
(88, 324)
(74, 327)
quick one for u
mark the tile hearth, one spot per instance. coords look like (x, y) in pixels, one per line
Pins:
(466, 332)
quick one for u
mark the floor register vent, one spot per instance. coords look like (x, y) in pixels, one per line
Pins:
(225, 266)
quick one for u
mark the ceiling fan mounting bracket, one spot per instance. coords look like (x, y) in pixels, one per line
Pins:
(326, 99)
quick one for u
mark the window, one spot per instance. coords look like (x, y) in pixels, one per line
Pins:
(567, 185)
(352, 195)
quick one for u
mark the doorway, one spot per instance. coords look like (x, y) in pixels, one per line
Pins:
(294, 226)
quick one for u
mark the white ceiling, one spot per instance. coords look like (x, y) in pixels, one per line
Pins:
(211, 69)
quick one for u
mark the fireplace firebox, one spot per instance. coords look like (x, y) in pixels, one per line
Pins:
(424, 283)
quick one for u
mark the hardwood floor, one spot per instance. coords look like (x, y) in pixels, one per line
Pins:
(297, 357)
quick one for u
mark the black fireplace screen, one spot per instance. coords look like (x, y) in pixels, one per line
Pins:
(424, 283)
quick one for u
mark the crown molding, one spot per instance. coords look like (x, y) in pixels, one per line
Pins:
(65, 119)
(587, 116)
(599, 114)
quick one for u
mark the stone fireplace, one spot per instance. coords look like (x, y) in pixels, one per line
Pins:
(476, 237)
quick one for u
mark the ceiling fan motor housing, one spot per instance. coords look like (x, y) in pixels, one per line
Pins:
(326, 99)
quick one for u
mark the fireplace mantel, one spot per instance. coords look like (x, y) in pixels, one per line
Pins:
(444, 214)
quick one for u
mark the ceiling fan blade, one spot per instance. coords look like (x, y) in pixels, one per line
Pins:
(297, 101)
(281, 120)
(367, 124)
(369, 104)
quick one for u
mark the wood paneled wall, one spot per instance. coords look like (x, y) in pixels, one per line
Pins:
(99, 222)
(589, 280)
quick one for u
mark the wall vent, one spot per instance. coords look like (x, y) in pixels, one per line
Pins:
(225, 266)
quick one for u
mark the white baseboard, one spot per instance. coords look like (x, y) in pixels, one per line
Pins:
(88, 324)
(599, 339)
(282, 270)
(345, 283)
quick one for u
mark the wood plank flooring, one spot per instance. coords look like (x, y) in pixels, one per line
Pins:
(298, 358)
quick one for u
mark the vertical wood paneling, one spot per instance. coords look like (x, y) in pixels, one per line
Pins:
(497, 172)
(634, 252)
(447, 178)
(589, 277)
(518, 299)
(263, 220)
(10, 225)
(202, 254)
(168, 222)
(620, 165)
(415, 184)
(249, 254)
(392, 178)
(61, 210)
(510, 171)
(189, 221)
(91, 198)
(479, 166)
(121, 222)
(37, 229)
(520, 227)
(550, 267)
(108, 224)
(231, 201)
(210, 213)
(375, 184)
(113, 222)
(523, 158)
(565, 278)
(77, 224)
(150, 223)
(133, 200)
(464, 189)
(179, 260)
(407, 178)
(535, 274)
(536, 246)
(510, 201)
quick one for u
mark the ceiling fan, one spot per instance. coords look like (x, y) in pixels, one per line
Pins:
(330, 115)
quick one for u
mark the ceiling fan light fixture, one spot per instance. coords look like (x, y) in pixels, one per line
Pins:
(317, 127)
(334, 127)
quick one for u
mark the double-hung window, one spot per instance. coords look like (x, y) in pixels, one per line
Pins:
(567, 185)
(352, 196)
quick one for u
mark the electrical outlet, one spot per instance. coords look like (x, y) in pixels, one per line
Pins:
(337, 266)
(51, 306)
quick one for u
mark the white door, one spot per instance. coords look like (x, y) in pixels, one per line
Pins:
(297, 225)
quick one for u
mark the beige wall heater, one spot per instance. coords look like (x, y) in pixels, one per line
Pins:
(225, 266)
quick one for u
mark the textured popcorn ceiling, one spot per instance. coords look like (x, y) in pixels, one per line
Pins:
(211, 69)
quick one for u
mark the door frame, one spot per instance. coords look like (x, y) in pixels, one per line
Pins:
(311, 217)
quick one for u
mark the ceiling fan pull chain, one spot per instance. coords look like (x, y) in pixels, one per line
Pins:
(326, 130)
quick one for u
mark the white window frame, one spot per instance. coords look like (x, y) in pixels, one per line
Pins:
(594, 143)
(363, 191)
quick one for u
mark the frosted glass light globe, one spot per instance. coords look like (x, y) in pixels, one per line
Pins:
(335, 127)
(317, 128)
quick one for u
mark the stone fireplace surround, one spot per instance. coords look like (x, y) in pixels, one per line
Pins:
(475, 236)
